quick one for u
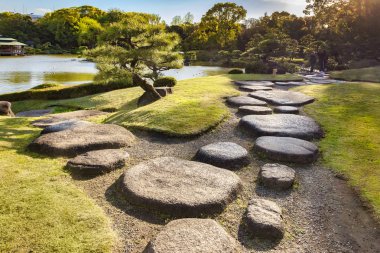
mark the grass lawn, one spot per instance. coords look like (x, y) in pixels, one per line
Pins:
(41, 210)
(350, 115)
(365, 74)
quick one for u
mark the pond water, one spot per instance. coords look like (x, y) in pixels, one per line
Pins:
(22, 73)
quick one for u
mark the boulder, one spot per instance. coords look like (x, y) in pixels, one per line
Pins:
(78, 140)
(34, 113)
(277, 176)
(252, 88)
(256, 110)
(64, 125)
(287, 125)
(282, 97)
(148, 98)
(98, 161)
(242, 100)
(6, 109)
(285, 149)
(286, 109)
(193, 236)
(226, 155)
(264, 219)
(179, 187)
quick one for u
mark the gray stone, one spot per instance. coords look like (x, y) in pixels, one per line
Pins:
(148, 98)
(226, 155)
(277, 176)
(78, 140)
(56, 118)
(6, 108)
(34, 113)
(287, 125)
(64, 125)
(290, 83)
(179, 187)
(322, 81)
(99, 161)
(257, 110)
(285, 149)
(252, 88)
(255, 83)
(286, 109)
(193, 236)
(264, 219)
(243, 100)
(281, 97)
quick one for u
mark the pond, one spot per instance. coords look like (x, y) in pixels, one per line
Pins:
(22, 73)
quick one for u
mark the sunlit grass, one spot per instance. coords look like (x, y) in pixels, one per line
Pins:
(365, 74)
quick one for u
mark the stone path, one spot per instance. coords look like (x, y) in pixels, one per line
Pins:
(286, 109)
(64, 125)
(252, 88)
(255, 110)
(242, 101)
(254, 83)
(281, 97)
(277, 176)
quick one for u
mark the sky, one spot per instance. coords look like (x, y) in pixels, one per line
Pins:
(167, 9)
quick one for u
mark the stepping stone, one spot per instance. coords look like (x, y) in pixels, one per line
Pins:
(56, 118)
(34, 113)
(99, 161)
(193, 236)
(287, 125)
(277, 176)
(179, 187)
(290, 83)
(255, 83)
(286, 109)
(257, 110)
(281, 97)
(243, 100)
(252, 88)
(226, 155)
(285, 149)
(264, 219)
(78, 140)
(64, 125)
(322, 81)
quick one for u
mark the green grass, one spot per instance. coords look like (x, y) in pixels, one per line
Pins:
(350, 115)
(365, 74)
(41, 210)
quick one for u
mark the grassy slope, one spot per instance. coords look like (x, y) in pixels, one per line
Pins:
(350, 114)
(40, 210)
(365, 74)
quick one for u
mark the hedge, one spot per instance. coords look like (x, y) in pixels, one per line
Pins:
(166, 81)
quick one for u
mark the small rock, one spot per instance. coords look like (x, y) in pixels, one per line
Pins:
(64, 125)
(286, 109)
(277, 176)
(242, 100)
(256, 110)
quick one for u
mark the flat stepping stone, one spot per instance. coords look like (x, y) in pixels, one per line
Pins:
(179, 187)
(226, 155)
(287, 125)
(322, 81)
(78, 140)
(193, 236)
(64, 125)
(99, 161)
(264, 219)
(286, 149)
(56, 118)
(277, 176)
(255, 83)
(34, 113)
(243, 100)
(256, 110)
(290, 83)
(286, 109)
(281, 97)
(252, 88)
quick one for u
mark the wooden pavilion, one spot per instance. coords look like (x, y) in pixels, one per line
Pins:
(9, 46)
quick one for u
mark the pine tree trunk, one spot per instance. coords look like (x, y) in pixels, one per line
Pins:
(137, 80)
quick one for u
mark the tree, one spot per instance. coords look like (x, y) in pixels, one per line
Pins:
(177, 20)
(89, 30)
(188, 18)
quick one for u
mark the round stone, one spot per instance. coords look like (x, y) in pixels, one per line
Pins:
(179, 187)
(264, 219)
(281, 97)
(255, 83)
(242, 100)
(99, 161)
(287, 125)
(193, 236)
(226, 155)
(277, 176)
(257, 110)
(285, 149)
(286, 109)
(78, 140)
(252, 88)
(64, 125)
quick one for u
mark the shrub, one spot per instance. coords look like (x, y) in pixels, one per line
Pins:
(166, 81)
(287, 67)
(257, 67)
(46, 86)
(236, 71)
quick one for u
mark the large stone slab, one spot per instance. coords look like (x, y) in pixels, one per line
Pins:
(226, 155)
(264, 219)
(256, 110)
(82, 139)
(285, 149)
(277, 176)
(281, 97)
(179, 187)
(243, 100)
(34, 113)
(286, 109)
(255, 83)
(252, 88)
(64, 125)
(193, 236)
(287, 125)
(98, 161)
(53, 119)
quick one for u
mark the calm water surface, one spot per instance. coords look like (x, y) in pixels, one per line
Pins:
(22, 73)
